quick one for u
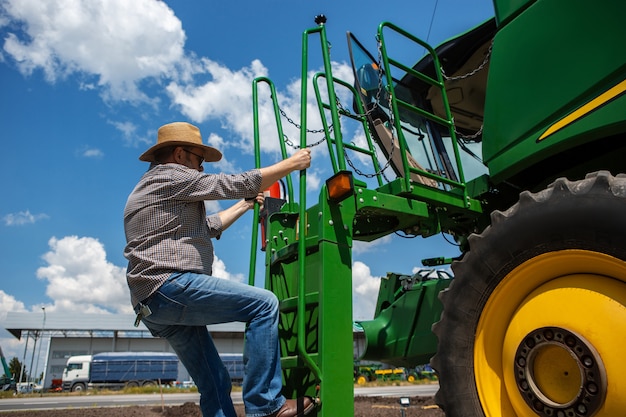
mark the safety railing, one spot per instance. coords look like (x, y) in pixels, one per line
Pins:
(397, 104)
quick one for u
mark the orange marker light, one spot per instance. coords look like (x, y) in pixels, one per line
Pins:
(340, 186)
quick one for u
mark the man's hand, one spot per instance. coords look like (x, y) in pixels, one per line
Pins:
(301, 159)
(260, 199)
(298, 161)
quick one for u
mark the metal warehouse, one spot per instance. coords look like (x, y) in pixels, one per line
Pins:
(51, 338)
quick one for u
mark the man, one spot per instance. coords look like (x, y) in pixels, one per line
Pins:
(170, 257)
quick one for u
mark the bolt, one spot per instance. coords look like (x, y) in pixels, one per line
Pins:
(592, 388)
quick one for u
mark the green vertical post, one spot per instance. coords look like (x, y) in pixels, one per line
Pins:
(336, 332)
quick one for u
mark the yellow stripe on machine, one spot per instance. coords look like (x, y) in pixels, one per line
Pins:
(585, 109)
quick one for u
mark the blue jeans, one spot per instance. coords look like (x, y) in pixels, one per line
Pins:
(181, 309)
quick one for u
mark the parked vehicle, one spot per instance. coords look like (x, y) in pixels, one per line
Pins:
(234, 365)
(421, 372)
(534, 319)
(115, 370)
(391, 374)
(365, 373)
(28, 387)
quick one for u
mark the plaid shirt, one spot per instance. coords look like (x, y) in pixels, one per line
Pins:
(167, 229)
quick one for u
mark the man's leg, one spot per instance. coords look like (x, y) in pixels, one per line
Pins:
(196, 350)
(197, 300)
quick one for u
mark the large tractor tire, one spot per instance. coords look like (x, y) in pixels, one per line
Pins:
(534, 323)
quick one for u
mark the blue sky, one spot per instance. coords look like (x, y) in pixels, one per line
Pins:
(86, 83)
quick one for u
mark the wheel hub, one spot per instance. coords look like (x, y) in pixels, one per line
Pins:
(559, 374)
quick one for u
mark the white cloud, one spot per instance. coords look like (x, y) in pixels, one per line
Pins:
(11, 347)
(117, 45)
(23, 217)
(9, 303)
(212, 206)
(131, 137)
(118, 42)
(364, 291)
(360, 247)
(224, 165)
(81, 279)
(92, 153)
(226, 96)
(219, 271)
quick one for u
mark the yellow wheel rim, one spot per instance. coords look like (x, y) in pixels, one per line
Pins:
(551, 336)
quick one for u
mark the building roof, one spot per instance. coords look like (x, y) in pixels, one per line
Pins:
(16, 323)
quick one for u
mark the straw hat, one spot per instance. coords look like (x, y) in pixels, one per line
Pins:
(181, 134)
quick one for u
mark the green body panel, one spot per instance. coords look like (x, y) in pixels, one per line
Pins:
(507, 9)
(327, 323)
(401, 332)
(538, 76)
(606, 121)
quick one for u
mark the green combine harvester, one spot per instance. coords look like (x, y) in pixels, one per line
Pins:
(534, 319)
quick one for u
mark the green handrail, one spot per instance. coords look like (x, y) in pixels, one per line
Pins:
(371, 151)
(439, 83)
(257, 162)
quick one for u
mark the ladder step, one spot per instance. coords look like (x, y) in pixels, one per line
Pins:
(289, 305)
(291, 362)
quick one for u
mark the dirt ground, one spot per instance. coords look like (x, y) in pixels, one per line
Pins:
(363, 407)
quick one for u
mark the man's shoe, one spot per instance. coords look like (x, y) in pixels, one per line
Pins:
(295, 408)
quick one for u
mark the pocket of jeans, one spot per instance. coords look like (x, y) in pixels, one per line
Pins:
(166, 310)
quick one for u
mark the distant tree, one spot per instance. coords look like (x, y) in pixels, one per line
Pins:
(15, 366)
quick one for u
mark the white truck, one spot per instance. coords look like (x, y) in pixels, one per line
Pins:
(115, 370)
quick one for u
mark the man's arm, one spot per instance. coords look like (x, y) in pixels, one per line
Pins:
(269, 175)
(229, 215)
(298, 161)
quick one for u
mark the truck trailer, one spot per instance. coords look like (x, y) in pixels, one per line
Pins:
(115, 370)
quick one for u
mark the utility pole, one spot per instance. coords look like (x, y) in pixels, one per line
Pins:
(22, 368)
(43, 374)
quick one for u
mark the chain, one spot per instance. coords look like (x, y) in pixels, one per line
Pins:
(473, 72)
(381, 171)
(290, 120)
(343, 110)
(309, 145)
(462, 77)
(290, 143)
(363, 174)
(470, 137)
